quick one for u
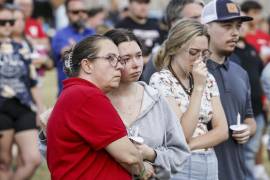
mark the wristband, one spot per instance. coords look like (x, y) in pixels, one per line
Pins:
(142, 172)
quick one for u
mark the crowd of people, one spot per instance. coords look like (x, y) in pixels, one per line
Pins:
(182, 97)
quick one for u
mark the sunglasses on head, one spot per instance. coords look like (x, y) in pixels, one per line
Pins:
(75, 12)
(3, 22)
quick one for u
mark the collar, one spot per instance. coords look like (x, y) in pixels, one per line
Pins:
(213, 65)
(86, 30)
(77, 81)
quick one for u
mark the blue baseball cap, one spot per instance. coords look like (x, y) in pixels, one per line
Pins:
(222, 10)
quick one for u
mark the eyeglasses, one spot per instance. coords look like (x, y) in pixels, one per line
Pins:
(76, 12)
(113, 60)
(3, 22)
(205, 54)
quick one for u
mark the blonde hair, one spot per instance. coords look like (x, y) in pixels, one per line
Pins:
(180, 34)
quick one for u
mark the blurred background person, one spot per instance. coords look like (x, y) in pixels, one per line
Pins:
(18, 35)
(19, 104)
(144, 27)
(255, 36)
(250, 61)
(67, 37)
(265, 79)
(35, 34)
(97, 20)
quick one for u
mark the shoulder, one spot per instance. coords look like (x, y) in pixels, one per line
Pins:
(63, 32)
(236, 68)
(85, 92)
(152, 21)
(124, 22)
(266, 71)
(161, 75)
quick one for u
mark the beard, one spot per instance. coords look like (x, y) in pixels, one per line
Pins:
(226, 52)
(80, 24)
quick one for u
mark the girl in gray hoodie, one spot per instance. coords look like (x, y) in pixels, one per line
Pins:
(151, 124)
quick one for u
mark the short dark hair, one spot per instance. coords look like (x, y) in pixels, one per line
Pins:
(7, 6)
(250, 5)
(94, 11)
(140, 1)
(86, 48)
(68, 1)
(122, 35)
(174, 9)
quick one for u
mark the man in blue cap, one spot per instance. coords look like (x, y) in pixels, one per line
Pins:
(224, 20)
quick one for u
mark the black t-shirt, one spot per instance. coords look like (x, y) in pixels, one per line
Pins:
(147, 33)
(251, 62)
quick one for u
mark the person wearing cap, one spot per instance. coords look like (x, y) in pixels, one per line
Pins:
(145, 28)
(224, 20)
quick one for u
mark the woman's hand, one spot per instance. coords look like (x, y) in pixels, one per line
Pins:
(147, 152)
(149, 171)
(199, 72)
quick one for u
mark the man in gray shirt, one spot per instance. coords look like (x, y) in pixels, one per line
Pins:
(224, 21)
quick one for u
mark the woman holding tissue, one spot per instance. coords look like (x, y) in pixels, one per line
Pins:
(193, 94)
(152, 125)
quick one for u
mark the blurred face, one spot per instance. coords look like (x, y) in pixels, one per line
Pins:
(76, 12)
(6, 23)
(224, 36)
(97, 20)
(257, 16)
(106, 69)
(131, 53)
(27, 7)
(19, 23)
(186, 56)
(193, 11)
(139, 9)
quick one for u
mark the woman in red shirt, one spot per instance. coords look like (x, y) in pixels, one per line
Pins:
(85, 136)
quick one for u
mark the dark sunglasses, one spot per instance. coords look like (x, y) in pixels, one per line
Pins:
(75, 12)
(3, 22)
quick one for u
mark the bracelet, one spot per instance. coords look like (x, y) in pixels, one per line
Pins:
(142, 172)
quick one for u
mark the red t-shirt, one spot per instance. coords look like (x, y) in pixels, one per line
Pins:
(258, 40)
(33, 28)
(82, 124)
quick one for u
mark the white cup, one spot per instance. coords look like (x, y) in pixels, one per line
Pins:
(238, 127)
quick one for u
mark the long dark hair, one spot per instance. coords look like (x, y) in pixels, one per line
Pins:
(122, 35)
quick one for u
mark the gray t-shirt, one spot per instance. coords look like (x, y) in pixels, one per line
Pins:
(234, 88)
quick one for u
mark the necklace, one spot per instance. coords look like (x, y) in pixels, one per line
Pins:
(191, 82)
(132, 110)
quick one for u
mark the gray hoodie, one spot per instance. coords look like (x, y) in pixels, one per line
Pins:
(161, 130)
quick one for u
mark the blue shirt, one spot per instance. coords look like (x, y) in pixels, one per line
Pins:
(62, 39)
(265, 79)
(234, 88)
(16, 77)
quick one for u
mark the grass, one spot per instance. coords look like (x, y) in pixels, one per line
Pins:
(49, 96)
